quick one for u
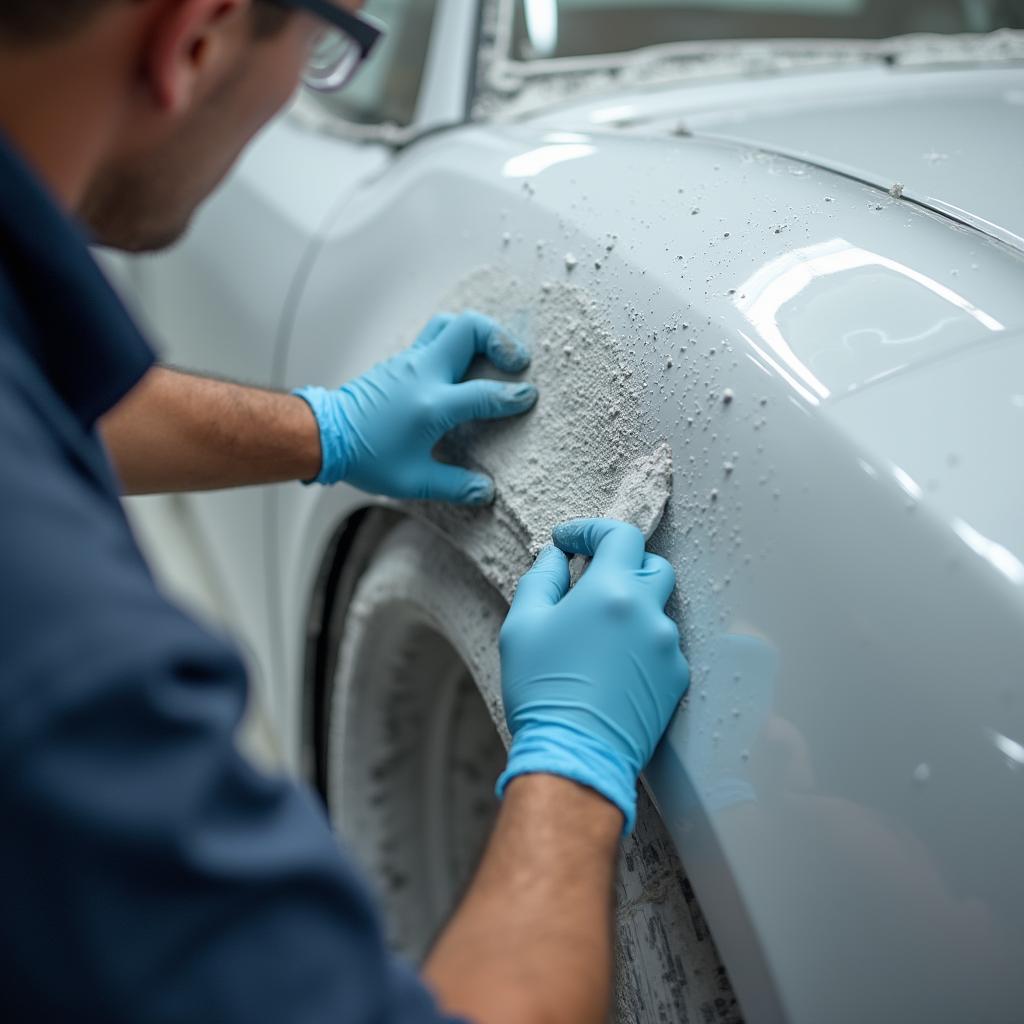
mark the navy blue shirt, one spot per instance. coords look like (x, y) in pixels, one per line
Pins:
(147, 871)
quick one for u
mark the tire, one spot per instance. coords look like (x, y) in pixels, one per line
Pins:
(415, 741)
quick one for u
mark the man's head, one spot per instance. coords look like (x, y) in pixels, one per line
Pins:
(182, 85)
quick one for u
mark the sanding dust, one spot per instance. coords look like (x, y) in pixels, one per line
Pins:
(585, 450)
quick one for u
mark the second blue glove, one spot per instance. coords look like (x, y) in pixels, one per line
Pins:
(591, 676)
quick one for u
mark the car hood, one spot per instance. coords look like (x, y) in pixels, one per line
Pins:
(949, 140)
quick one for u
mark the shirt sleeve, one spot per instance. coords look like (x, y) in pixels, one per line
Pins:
(148, 872)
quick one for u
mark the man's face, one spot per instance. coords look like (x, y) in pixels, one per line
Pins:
(144, 198)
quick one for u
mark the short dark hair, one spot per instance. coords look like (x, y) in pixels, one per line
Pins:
(31, 21)
(36, 20)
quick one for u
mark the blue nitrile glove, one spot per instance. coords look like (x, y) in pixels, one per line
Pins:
(591, 676)
(378, 432)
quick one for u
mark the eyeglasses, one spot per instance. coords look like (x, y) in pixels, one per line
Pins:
(341, 46)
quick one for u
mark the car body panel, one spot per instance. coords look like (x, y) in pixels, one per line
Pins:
(842, 782)
(919, 129)
(922, 132)
(963, 464)
(829, 739)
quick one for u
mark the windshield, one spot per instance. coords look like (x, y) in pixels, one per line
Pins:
(574, 28)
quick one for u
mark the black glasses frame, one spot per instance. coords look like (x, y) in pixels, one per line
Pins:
(365, 34)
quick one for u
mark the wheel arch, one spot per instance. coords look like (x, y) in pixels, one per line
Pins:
(667, 966)
(346, 554)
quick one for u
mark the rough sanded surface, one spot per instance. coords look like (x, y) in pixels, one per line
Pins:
(644, 490)
(585, 450)
(641, 498)
(667, 970)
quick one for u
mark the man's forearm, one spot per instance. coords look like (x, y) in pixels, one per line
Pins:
(178, 432)
(532, 941)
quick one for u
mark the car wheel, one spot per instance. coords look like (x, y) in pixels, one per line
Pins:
(415, 740)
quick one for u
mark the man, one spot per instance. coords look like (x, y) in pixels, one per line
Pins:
(149, 873)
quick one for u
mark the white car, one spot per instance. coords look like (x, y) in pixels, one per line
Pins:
(786, 238)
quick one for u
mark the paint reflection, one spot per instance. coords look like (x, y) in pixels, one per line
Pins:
(535, 161)
(1004, 561)
(762, 298)
(733, 705)
(825, 877)
(1010, 749)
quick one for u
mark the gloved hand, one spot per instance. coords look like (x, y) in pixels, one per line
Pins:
(591, 676)
(378, 432)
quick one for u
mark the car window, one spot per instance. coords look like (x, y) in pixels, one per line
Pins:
(387, 89)
(613, 26)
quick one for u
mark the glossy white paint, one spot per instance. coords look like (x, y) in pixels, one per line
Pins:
(844, 782)
(952, 139)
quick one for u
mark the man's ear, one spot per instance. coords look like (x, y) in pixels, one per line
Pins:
(193, 46)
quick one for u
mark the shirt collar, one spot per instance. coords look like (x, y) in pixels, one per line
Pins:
(59, 304)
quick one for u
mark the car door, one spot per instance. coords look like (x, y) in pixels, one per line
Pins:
(419, 82)
(217, 303)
